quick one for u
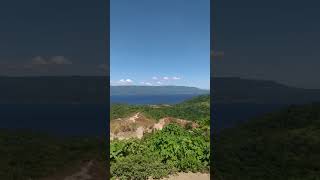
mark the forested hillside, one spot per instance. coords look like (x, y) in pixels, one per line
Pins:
(26, 155)
(195, 109)
(280, 145)
(163, 152)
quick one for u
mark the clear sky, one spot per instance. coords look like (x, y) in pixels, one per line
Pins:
(160, 42)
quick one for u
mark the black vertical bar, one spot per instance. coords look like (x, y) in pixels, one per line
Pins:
(212, 47)
(107, 54)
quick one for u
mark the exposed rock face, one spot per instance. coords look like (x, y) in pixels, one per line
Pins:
(137, 125)
(131, 127)
(133, 118)
(139, 132)
(165, 121)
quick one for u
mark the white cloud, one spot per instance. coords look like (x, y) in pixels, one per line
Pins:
(159, 82)
(149, 84)
(60, 60)
(154, 78)
(124, 81)
(38, 60)
(55, 60)
(129, 81)
(176, 78)
(166, 78)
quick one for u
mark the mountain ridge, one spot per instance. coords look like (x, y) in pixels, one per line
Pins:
(94, 90)
(155, 90)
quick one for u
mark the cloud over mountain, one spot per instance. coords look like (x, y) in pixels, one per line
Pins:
(54, 60)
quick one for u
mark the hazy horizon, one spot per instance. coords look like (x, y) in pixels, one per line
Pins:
(236, 77)
(217, 77)
(157, 86)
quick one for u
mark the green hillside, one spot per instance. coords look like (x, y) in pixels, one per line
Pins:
(195, 109)
(25, 155)
(278, 146)
(160, 153)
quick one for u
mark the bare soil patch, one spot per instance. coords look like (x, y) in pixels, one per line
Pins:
(88, 170)
(188, 176)
(137, 125)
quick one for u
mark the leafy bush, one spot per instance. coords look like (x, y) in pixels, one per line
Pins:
(164, 152)
(161, 153)
(141, 166)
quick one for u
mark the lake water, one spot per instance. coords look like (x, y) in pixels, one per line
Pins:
(148, 99)
(229, 115)
(92, 120)
(58, 119)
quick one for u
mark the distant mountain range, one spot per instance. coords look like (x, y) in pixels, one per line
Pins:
(51, 90)
(155, 90)
(93, 89)
(237, 90)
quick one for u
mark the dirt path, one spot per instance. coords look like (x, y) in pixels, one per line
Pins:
(189, 176)
(90, 170)
(83, 174)
(134, 118)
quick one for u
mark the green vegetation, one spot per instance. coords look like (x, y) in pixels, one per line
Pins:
(197, 109)
(34, 156)
(280, 145)
(161, 153)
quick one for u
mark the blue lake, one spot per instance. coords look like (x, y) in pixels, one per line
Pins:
(58, 119)
(92, 120)
(229, 115)
(148, 99)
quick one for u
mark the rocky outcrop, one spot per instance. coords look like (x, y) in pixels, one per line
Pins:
(137, 125)
(165, 121)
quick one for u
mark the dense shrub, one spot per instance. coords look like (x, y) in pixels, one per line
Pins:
(197, 109)
(141, 166)
(161, 153)
(164, 152)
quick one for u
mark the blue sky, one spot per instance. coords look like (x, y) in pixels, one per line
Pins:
(40, 38)
(160, 42)
(272, 40)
